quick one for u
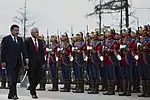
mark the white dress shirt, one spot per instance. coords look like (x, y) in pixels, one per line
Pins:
(13, 37)
(33, 39)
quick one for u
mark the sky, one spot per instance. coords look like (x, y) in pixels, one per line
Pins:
(61, 15)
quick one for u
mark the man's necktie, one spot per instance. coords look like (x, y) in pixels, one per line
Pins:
(36, 46)
(15, 39)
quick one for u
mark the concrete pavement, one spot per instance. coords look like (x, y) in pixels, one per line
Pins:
(46, 95)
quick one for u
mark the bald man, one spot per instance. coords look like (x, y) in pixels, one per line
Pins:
(36, 60)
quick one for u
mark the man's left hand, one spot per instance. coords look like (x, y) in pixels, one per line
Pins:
(27, 61)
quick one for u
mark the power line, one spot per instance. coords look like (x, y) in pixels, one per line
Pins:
(141, 8)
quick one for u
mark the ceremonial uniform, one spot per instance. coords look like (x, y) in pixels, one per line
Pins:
(135, 71)
(94, 59)
(53, 58)
(144, 66)
(117, 68)
(2, 75)
(80, 53)
(88, 75)
(110, 61)
(65, 56)
(102, 74)
(126, 64)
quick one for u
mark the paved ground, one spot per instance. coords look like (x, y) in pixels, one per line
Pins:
(24, 95)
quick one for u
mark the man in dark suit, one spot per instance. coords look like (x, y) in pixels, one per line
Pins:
(11, 49)
(36, 60)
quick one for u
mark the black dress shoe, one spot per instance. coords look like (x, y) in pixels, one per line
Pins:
(41, 89)
(13, 97)
(34, 97)
(53, 89)
(142, 95)
(65, 90)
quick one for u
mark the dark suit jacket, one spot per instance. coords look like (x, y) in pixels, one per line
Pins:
(33, 55)
(11, 52)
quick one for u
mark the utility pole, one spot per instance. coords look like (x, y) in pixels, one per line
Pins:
(127, 12)
(87, 28)
(100, 15)
(24, 19)
(121, 18)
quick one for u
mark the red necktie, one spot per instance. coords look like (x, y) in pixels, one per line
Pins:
(36, 46)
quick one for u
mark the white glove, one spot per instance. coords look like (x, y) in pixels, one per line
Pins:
(122, 46)
(101, 58)
(73, 48)
(89, 48)
(59, 49)
(56, 58)
(119, 57)
(104, 47)
(48, 50)
(3, 68)
(136, 57)
(139, 44)
(85, 58)
(46, 72)
(45, 57)
(71, 58)
(27, 61)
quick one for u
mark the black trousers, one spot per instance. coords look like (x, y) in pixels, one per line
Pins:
(13, 73)
(35, 75)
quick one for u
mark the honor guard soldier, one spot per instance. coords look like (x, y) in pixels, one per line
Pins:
(80, 56)
(65, 56)
(52, 60)
(110, 60)
(144, 62)
(94, 58)
(88, 64)
(135, 71)
(2, 75)
(126, 63)
(117, 67)
(102, 69)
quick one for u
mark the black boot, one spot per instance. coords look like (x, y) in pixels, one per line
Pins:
(66, 86)
(104, 85)
(148, 88)
(119, 85)
(124, 88)
(76, 85)
(3, 83)
(129, 89)
(90, 87)
(54, 85)
(109, 88)
(144, 88)
(136, 88)
(112, 88)
(93, 87)
(80, 89)
(42, 87)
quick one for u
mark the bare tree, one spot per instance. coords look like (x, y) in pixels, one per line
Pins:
(23, 19)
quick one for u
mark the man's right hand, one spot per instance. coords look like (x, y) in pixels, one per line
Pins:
(3, 65)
